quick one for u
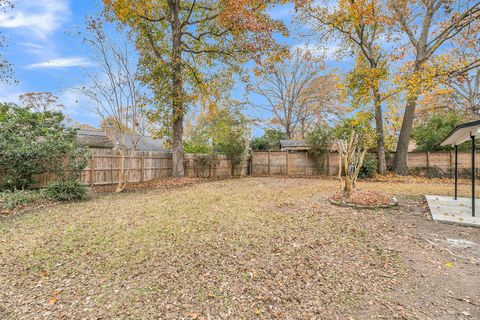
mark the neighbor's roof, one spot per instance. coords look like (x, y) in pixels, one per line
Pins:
(93, 139)
(462, 133)
(98, 139)
(293, 143)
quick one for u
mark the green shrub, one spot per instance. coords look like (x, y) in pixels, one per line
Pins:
(66, 190)
(230, 133)
(369, 167)
(11, 199)
(192, 147)
(259, 144)
(33, 143)
(429, 133)
(319, 141)
(269, 141)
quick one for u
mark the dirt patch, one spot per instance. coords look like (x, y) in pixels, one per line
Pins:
(444, 275)
(247, 248)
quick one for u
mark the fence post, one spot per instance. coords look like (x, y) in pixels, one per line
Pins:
(268, 162)
(306, 160)
(142, 167)
(286, 162)
(428, 162)
(328, 163)
(92, 170)
(250, 163)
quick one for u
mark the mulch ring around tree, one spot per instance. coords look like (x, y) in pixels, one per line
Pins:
(364, 199)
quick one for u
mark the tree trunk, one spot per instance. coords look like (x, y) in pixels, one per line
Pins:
(400, 163)
(347, 191)
(177, 96)
(121, 174)
(177, 147)
(303, 129)
(288, 132)
(126, 166)
(381, 159)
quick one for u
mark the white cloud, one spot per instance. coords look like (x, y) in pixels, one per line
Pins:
(39, 17)
(62, 63)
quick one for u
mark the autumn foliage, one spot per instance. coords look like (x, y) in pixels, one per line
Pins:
(191, 49)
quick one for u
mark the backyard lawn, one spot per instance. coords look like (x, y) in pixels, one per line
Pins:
(243, 248)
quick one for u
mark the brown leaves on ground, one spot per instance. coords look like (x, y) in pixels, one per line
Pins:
(271, 248)
(363, 197)
(161, 183)
(395, 178)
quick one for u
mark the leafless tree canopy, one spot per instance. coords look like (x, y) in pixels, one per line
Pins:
(298, 94)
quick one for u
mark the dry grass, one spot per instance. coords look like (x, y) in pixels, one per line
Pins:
(255, 247)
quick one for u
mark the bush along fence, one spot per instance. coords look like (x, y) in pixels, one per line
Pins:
(104, 166)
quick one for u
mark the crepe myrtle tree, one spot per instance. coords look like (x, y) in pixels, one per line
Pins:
(352, 151)
(117, 93)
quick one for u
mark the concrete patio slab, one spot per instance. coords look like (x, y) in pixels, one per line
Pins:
(449, 210)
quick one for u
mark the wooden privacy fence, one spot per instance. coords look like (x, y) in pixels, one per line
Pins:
(300, 163)
(438, 164)
(292, 163)
(105, 164)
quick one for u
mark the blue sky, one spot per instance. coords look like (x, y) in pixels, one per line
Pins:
(46, 57)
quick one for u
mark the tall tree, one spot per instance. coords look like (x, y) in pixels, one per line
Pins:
(428, 25)
(185, 44)
(360, 25)
(297, 93)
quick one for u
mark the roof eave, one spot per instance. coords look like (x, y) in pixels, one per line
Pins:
(474, 125)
